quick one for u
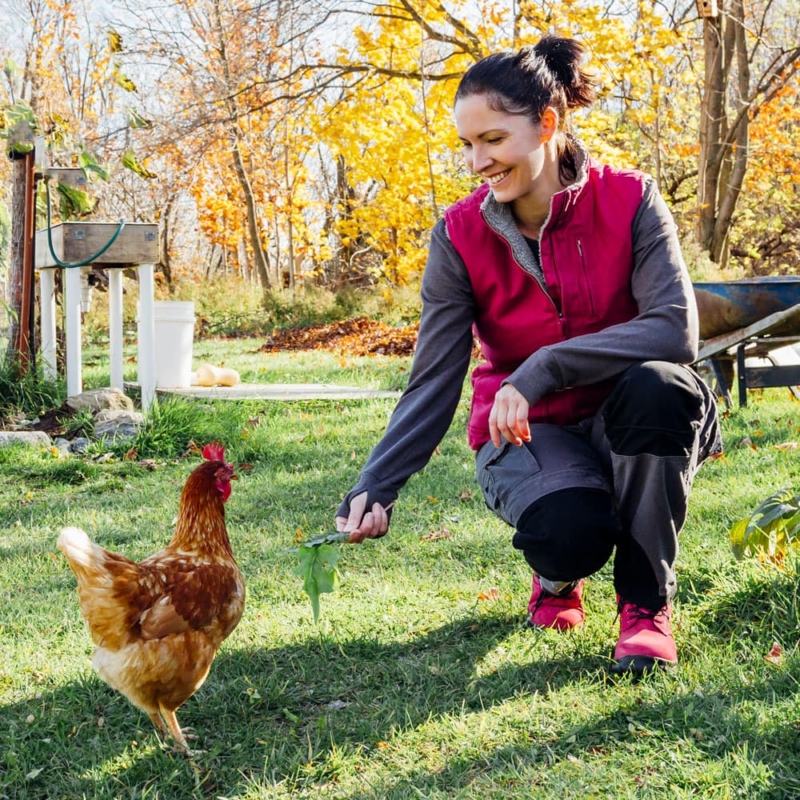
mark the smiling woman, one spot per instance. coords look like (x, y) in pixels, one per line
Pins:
(587, 423)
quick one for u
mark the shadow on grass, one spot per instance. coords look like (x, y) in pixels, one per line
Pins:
(292, 716)
(267, 714)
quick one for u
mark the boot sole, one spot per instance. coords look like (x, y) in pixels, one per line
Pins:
(640, 665)
(562, 627)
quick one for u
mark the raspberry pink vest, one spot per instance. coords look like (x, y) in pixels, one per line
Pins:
(587, 260)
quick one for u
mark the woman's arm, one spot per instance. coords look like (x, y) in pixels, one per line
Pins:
(665, 329)
(424, 412)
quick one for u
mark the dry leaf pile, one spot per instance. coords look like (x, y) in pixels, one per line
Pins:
(359, 336)
(353, 337)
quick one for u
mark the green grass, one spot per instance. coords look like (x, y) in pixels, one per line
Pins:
(412, 686)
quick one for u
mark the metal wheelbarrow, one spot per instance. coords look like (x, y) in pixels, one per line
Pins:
(746, 319)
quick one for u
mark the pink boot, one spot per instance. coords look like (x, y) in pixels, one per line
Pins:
(645, 639)
(561, 612)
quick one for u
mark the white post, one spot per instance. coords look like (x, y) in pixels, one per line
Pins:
(146, 366)
(72, 320)
(47, 306)
(115, 327)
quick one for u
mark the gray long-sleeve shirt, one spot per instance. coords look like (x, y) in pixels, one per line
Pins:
(666, 328)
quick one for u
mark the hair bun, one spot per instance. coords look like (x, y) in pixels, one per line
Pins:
(564, 58)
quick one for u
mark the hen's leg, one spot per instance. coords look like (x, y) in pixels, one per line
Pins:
(158, 722)
(175, 729)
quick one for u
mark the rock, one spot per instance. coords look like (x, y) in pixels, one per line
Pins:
(98, 400)
(63, 445)
(35, 438)
(80, 445)
(114, 424)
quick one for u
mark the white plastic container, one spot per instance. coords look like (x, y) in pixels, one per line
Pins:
(174, 333)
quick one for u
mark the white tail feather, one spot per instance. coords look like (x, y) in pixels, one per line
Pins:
(76, 546)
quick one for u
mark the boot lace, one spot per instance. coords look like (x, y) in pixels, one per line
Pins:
(632, 613)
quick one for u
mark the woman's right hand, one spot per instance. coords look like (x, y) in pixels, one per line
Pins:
(363, 524)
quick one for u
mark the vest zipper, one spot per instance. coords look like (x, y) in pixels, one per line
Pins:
(517, 262)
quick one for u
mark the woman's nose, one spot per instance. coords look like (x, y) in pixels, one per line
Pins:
(480, 159)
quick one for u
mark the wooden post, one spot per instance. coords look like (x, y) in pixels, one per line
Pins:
(72, 324)
(146, 366)
(47, 306)
(115, 327)
(21, 272)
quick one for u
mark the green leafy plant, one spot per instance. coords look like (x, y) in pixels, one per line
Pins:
(26, 391)
(19, 126)
(169, 426)
(317, 567)
(770, 530)
(79, 424)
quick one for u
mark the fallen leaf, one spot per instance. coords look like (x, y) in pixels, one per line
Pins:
(432, 536)
(775, 655)
(787, 446)
(492, 594)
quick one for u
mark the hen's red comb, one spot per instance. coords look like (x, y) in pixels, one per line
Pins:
(214, 452)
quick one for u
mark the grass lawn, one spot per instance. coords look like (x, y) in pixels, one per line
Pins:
(420, 681)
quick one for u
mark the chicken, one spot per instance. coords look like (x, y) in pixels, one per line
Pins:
(158, 623)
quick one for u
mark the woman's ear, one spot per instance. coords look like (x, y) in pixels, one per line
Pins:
(549, 123)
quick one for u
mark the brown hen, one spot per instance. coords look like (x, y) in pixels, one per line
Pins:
(158, 623)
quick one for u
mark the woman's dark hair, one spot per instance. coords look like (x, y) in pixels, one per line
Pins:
(546, 74)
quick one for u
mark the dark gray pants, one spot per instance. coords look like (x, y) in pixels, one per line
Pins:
(616, 483)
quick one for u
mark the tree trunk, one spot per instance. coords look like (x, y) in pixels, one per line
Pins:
(260, 256)
(736, 161)
(711, 115)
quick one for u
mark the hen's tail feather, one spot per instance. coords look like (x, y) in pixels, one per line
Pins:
(76, 546)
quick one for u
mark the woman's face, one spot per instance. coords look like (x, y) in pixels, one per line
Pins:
(507, 150)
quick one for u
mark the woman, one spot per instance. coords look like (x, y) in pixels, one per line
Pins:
(587, 424)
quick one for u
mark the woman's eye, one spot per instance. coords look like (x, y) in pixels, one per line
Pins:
(497, 140)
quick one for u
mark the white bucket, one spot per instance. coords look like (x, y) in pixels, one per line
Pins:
(174, 332)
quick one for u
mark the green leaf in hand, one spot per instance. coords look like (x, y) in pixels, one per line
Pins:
(317, 568)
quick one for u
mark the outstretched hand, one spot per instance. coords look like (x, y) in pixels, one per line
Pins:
(362, 524)
(509, 417)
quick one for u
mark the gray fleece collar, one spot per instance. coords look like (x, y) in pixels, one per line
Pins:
(498, 216)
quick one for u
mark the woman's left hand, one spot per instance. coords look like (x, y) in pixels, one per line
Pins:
(509, 417)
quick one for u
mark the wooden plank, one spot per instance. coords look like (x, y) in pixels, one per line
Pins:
(720, 344)
(74, 242)
(763, 377)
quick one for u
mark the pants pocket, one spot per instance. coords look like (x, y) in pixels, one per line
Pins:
(500, 472)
